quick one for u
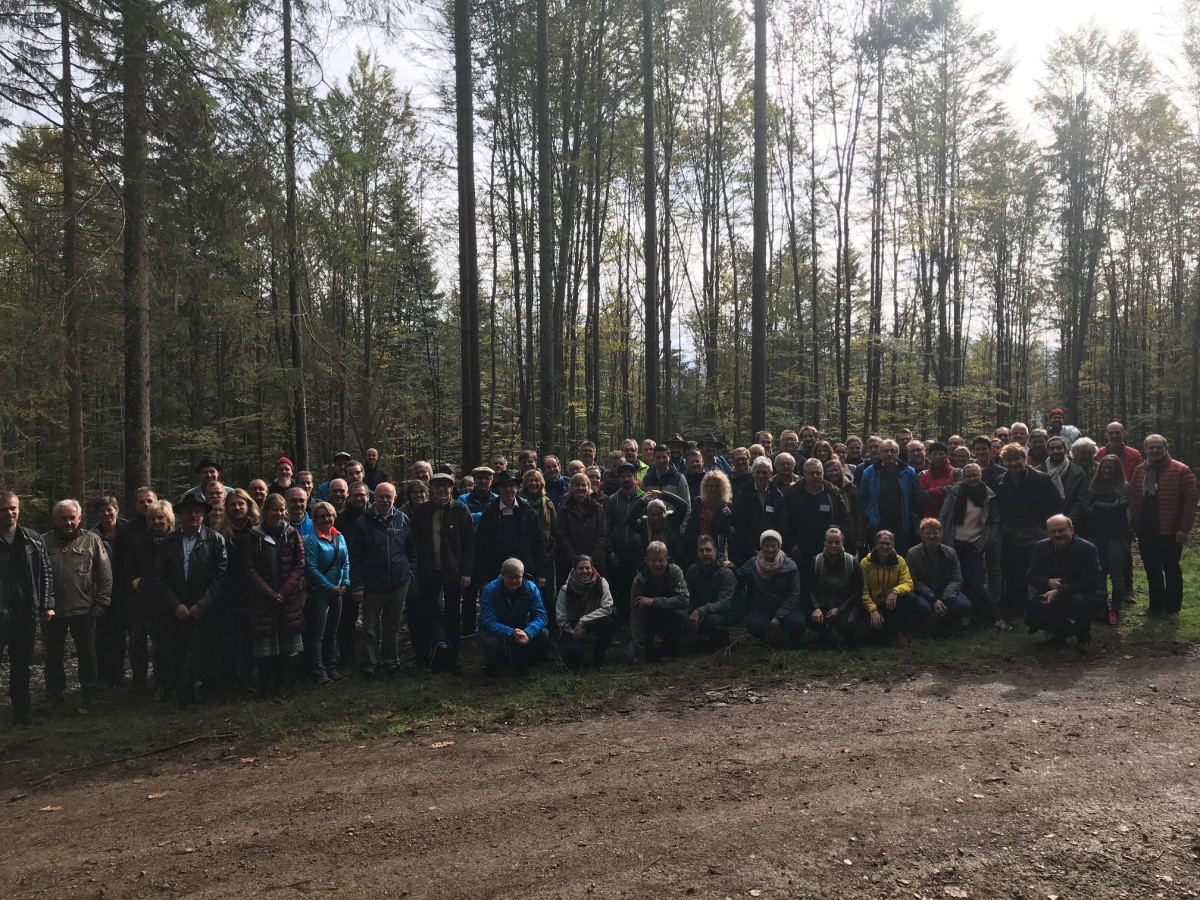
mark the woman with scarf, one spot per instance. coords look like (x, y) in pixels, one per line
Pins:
(580, 528)
(236, 662)
(771, 581)
(584, 611)
(713, 515)
(327, 571)
(274, 561)
(888, 597)
(1106, 512)
(533, 492)
(970, 520)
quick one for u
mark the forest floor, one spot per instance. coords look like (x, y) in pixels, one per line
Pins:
(1043, 776)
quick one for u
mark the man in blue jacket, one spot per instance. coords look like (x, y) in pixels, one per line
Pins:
(383, 556)
(512, 620)
(886, 492)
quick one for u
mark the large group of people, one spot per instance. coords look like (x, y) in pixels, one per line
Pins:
(804, 542)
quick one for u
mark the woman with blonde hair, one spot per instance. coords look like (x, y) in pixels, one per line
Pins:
(712, 515)
(236, 655)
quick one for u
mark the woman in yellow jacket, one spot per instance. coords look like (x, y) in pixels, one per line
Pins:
(888, 597)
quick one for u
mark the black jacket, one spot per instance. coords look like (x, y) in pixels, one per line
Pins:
(1078, 565)
(489, 554)
(37, 564)
(750, 520)
(206, 570)
(458, 540)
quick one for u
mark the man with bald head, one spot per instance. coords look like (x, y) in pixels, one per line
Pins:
(1066, 574)
(1162, 508)
(374, 474)
(1114, 436)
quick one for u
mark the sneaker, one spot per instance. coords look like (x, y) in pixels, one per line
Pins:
(1002, 625)
(1114, 618)
(440, 657)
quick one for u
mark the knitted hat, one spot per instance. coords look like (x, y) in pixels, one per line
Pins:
(770, 533)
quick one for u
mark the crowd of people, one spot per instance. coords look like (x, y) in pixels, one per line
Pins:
(800, 543)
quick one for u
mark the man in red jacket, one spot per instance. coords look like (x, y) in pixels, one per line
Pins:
(1162, 507)
(1115, 434)
(933, 483)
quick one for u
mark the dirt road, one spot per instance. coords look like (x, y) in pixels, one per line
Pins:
(1073, 780)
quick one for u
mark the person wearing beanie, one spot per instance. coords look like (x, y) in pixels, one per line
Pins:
(1059, 428)
(771, 581)
(283, 477)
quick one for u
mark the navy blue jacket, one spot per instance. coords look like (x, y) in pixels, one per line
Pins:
(383, 552)
(1078, 565)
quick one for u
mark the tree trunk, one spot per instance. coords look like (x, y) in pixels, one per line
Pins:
(468, 271)
(758, 299)
(300, 451)
(71, 313)
(650, 186)
(545, 282)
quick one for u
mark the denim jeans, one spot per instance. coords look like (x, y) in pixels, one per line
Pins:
(322, 613)
(381, 629)
(973, 564)
(1112, 560)
(758, 623)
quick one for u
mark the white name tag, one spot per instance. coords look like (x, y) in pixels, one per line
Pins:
(824, 507)
(770, 509)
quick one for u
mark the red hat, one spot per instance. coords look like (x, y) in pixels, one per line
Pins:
(284, 459)
(1057, 411)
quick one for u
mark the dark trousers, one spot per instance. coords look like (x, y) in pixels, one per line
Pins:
(237, 648)
(497, 649)
(54, 636)
(112, 631)
(906, 617)
(188, 657)
(18, 633)
(139, 637)
(845, 625)
(1015, 558)
(758, 623)
(662, 623)
(956, 610)
(973, 564)
(1112, 560)
(715, 627)
(602, 630)
(470, 608)
(431, 623)
(347, 632)
(1160, 557)
(1067, 615)
(621, 583)
(322, 614)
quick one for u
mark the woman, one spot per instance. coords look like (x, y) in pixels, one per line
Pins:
(580, 529)
(836, 477)
(970, 520)
(584, 610)
(596, 479)
(771, 581)
(713, 515)
(112, 627)
(823, 450)
(1106, 509)
(274, 561)
(327, 571)
(533, 492)
(237, 649)
(160, 521)
(416, 492)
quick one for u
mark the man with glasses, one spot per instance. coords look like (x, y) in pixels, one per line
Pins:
(1162, 507)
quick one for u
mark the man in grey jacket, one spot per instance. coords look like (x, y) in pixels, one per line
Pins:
(937, 577)
(82, 591)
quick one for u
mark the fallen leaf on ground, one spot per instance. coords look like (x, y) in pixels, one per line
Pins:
(248, 759)
(756, 893)
(50, 808)
(158, 795)
(955, 892)
(438, 745)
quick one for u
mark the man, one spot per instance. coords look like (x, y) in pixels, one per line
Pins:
(283, 477)
(874, 442)
(1038, 449)
(209, 470)
(374, 474)
(678, 447)
(1020, 435)
(789, 442)
(629, 449)
(355, 474)
(297, 511)
(662, 476)
(357, 500)
(785, 477)
(854, 451)
(837, 590)
(1162, 507)
(509, 528)
(658, 605)
(758, 508)
(1068, 478)
(82, 591)
(1003, 433)
(347, 520)
(304, 480)
(887, 493)
(191, 572)
(622, 543)
(932, 484)
(557, 484)
(587, 454)
(258, 490)
(954, 442)
(937, 577)
(480, 496)
(526, 462)
(339, 493)
(340, 459)
(1065, 572)
(960, 456)
(445, 537)
(647, 454)
(512, 619)
(809, 435)
(765, 440)
(1059, 428)
(739, 476)
(888, 600)
(1115, 435)
(1027, 498)
(981, 447)
(711, 587)
(914, 455)
(811, 509)
(383, 554)
(499, 463)
(26, 595)
(130, 619)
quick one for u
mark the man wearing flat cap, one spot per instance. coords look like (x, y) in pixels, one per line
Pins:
(509, 528)
(623, 543)
(445, 538)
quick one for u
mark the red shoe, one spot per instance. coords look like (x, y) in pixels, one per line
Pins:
(1114, 618)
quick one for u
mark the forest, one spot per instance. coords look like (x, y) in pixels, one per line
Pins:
(612, 219)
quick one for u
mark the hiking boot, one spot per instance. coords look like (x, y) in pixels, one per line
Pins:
(1002, 625)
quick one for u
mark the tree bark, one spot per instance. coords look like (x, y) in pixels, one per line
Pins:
(71, 312)
(649, 181)
(300, 415)
(468, 271)
(758, 299)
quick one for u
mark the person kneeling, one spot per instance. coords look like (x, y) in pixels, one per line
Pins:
(711, 586)
(585, 610)
(887, 595)
(1066, 573)
(772, 583)
(512, 620)
(937, 578)
(659, 600)
(838, 584)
